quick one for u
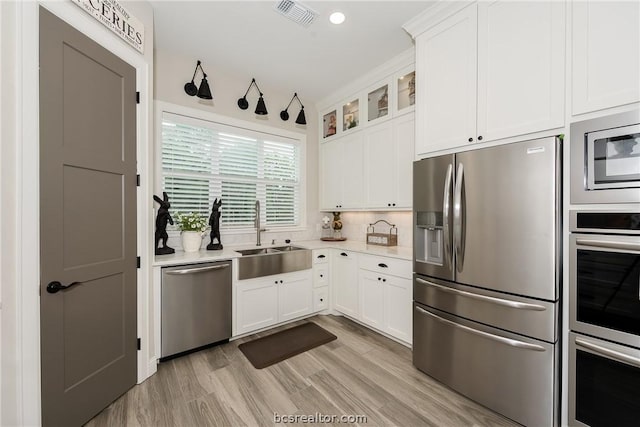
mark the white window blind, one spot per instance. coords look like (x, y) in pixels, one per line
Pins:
(203, 160)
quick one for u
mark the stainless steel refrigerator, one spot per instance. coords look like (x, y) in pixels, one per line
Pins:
(487, 249)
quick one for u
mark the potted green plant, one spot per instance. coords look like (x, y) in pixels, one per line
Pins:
(192, 226)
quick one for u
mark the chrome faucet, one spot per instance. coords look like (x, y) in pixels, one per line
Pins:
(258, 228)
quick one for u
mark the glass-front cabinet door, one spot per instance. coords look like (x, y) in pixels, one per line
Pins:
(406, 84)
(350, 115)
(329, 124)
(378, 102)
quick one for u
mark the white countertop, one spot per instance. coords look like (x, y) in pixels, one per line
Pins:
(229, 252)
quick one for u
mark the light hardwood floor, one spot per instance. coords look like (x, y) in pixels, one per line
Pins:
(360, 373)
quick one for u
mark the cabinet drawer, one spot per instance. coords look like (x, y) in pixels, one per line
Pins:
(321, 256)
(320, 275)
(321, 298)
(384, 265)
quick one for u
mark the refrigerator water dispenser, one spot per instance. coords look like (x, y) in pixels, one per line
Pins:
(429, 238)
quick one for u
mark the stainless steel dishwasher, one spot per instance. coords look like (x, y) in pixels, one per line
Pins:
(196, 306)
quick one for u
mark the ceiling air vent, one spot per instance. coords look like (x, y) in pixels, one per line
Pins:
(296, 12)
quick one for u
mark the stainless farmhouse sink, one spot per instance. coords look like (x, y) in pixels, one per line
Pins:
(268, 261)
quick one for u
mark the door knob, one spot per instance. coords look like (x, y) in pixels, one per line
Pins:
(55, 286)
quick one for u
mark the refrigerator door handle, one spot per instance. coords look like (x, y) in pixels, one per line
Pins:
(492, 300)
(458, 225)
(502, 340)
(446, 207)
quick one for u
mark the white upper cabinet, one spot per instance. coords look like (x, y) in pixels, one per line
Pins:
(521, 53)
(341, 171)
(389, 151)
(491, 71)
(606, 54)
(446, 73)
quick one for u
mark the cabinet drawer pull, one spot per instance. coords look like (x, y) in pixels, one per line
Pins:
(320, 256)
(343, 254)
(383, 265)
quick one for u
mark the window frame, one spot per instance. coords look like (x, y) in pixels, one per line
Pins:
(190, 114)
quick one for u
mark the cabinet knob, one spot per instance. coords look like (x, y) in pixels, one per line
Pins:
(393, 204)
(379, 278)
(470, 139)
(321, 275)
(280, 281)
(321, 299)
(384, 280)
(480, 138)
(388, 204)
(276, 282)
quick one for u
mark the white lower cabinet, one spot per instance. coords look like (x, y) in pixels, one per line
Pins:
(344, 282)
(375, 290)
(385, 299)
(256, 304)
(265, 301)
(397, 307)
(295, 295)
(371, 299)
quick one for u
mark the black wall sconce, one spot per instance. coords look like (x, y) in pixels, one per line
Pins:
(203, 92)
(301, 120)
(261, 108)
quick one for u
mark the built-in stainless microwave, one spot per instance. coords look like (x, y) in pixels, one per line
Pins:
(605, 159)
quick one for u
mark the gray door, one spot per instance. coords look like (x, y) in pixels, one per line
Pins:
(87, 224)
(506, 236)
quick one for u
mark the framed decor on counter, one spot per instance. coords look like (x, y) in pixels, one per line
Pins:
(350, 115)
(329, 123)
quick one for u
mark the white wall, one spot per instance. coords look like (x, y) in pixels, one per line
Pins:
(19, 201)
(173, 70)
(9, 319)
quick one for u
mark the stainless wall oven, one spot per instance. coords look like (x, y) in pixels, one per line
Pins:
(605, 159)
(604, 305)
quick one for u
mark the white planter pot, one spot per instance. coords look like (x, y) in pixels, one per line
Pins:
(191, 241)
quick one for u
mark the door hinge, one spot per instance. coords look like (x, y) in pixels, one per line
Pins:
(137, 262)
(139, 343)
(137, 97)
(138, 180)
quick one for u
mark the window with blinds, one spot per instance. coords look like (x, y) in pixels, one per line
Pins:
(203, 160)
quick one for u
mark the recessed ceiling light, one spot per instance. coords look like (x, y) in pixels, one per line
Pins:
(336, 18)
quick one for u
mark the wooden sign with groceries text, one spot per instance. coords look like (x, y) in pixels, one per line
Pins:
(117, 19)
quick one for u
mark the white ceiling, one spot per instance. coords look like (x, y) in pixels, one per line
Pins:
(250, 37)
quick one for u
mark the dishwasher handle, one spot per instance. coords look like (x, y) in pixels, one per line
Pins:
(197, 270)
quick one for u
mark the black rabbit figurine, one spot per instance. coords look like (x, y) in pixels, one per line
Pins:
(161, 225)
(214, 222)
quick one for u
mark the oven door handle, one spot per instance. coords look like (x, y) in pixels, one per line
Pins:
(608, 244)
(616, 355)
(492, 300)
(508, 341)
